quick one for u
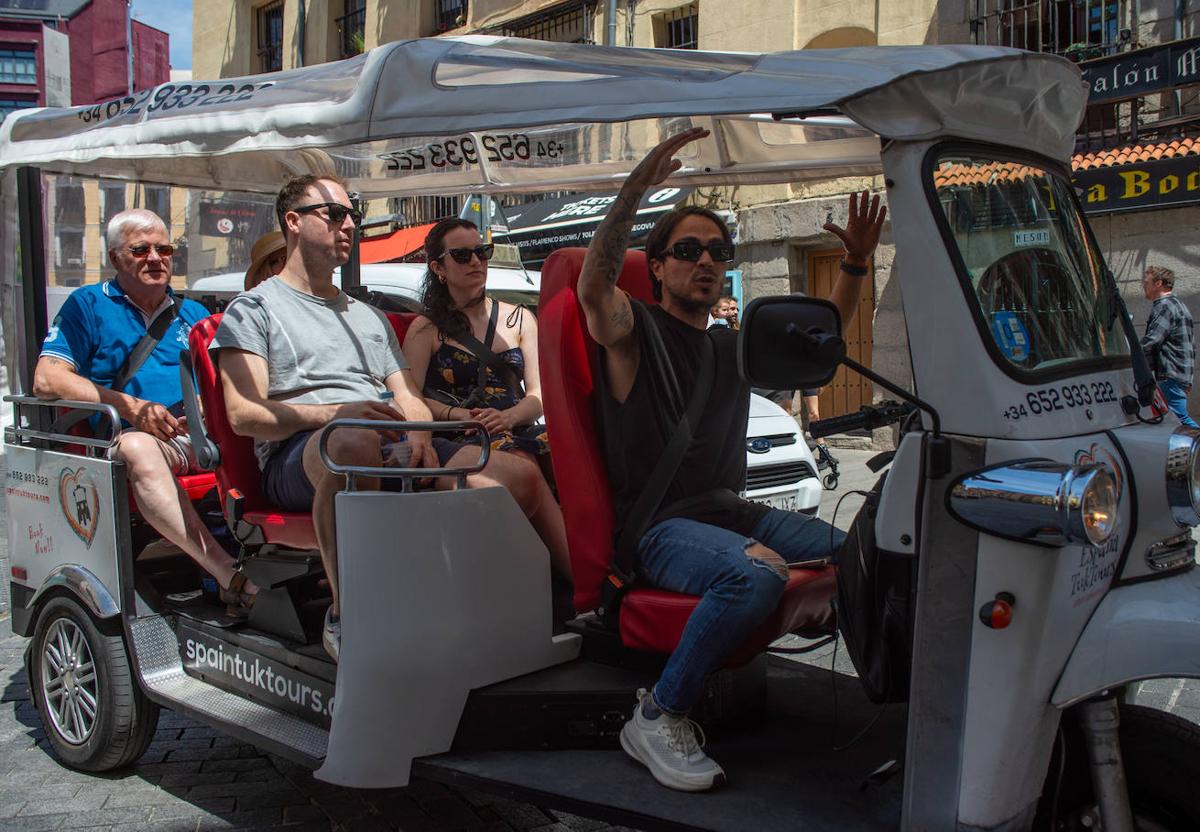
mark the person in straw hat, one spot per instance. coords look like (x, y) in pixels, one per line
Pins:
(267, 258)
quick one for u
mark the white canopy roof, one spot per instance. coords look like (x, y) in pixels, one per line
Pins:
(448, 115)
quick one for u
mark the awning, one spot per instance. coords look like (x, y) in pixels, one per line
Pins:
(538, 228)
(399, 244)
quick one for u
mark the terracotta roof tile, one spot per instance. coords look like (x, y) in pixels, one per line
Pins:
(1001, 172)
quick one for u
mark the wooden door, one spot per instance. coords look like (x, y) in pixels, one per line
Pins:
(848, 391)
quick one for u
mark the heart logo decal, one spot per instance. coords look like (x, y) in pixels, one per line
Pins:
(1100, 455)
(80, 503)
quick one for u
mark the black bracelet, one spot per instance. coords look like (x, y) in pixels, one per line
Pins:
(854, 271)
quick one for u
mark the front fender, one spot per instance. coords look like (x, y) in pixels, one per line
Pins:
(83, 585)
(1140, 631)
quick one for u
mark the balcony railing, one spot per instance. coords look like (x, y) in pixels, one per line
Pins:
(1077, 29)
(450, 14)
(352, 29)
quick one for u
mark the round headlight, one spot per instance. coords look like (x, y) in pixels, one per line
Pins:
(1098, 508)
(1183, 476)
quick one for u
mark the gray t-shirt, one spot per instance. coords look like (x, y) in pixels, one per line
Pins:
(318, 351)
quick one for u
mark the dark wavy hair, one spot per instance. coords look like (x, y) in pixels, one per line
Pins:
(656, 241)
(435, 295)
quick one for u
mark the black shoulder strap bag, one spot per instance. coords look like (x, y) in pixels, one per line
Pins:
(142, 349)
(641, 515)
(487, 358)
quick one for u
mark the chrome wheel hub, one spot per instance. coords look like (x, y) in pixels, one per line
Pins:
(69, 681)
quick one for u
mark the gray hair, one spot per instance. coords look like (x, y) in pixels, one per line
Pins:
(135, 219)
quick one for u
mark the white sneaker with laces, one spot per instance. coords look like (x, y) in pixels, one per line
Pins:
(669, 748)
(331, 635)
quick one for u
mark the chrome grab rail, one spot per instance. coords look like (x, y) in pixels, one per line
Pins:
(19, 431)
(406, 474)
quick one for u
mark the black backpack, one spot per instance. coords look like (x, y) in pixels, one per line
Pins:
(875, 605)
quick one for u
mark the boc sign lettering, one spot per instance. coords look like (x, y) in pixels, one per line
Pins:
(1154, 184)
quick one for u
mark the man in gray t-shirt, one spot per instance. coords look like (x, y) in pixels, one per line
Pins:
(295, 353)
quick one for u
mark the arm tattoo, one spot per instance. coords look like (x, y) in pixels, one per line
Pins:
(607, 251)
(622, 318)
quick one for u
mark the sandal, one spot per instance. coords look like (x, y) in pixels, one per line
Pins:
(238, 601)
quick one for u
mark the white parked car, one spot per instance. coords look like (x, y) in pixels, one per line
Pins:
(780, 469)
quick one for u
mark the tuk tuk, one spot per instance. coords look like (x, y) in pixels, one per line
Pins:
(1041, 510)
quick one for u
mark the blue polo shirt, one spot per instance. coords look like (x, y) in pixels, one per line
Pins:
(98, 327)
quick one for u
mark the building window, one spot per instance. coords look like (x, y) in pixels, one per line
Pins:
(352, 28)
(112, 201)
(158, 201)
(565, 23)
(679, 29)
(419, 210)
(8, 105)
(1078, 29)
(270, 37)
(69, 262)
(449, 14)
(68, 203)
(18, 66)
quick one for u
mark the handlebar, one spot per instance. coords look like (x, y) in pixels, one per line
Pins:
(867, 417)
(406, 474)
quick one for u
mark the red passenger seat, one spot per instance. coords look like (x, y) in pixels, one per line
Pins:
(650, 619)
(238, 467)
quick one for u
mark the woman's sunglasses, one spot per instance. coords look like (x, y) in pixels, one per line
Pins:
(462, 256)
(337, 212)
(691, 252)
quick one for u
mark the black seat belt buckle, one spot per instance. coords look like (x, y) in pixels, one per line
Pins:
(612, 592)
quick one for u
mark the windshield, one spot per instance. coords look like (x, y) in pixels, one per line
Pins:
(1038, 281)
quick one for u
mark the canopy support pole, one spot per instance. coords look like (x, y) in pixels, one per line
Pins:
(30, 200)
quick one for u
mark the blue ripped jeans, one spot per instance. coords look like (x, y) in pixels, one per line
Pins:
(738, 592)
(1177, 395)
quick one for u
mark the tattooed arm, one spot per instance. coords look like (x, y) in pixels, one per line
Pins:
(609, 317)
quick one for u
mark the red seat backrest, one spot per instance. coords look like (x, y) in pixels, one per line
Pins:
(400, 322)
(568, 360)
(238, 468)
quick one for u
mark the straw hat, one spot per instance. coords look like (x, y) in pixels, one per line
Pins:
(264, 247)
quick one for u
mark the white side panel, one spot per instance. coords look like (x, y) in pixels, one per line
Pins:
(441, 592)
(61, 511)
(1140, 631)
(898, 510)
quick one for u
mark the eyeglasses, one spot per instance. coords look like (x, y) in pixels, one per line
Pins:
(143, 250)
(462, 256)
(691, 251)
(337, 212)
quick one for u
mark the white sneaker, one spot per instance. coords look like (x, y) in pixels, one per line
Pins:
(331, 635)
(669, 748)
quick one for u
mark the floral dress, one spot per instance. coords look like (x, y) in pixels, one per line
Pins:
(453, 375)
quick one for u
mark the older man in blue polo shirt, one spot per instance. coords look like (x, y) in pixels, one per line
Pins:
(82, 358)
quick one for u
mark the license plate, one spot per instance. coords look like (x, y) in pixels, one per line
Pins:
(788, 501)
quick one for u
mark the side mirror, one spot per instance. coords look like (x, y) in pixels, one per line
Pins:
(790, 342)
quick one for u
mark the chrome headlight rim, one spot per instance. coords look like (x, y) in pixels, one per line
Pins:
(1182, 448)
(1036, 501)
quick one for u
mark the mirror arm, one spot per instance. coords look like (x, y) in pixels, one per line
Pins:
(938, 449)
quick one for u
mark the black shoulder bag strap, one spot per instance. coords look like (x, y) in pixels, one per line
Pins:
(143, 348)
(487, 358)
(640, 516)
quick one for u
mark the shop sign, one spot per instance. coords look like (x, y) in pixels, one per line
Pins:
(1162, 183)
(220, 218)
(1143, 71)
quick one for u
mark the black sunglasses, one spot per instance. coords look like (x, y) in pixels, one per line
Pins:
(143, 250)
(462, 256)
(691, 251)
(337, 212)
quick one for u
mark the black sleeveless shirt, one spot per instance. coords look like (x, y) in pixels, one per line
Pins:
(635, 433)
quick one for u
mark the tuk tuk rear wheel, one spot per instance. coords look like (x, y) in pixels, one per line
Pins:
(95, 715)
(1160, 751)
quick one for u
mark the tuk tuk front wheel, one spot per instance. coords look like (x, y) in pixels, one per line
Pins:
(1161, 753)
(95, 715)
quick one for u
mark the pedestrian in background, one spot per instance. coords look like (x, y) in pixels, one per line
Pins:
(1168, 340)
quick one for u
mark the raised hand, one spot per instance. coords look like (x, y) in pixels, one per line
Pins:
(861, 234)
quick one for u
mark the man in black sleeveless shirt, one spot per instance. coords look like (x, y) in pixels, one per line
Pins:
(705, 540)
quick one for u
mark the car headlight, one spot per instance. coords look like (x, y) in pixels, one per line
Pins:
(1039, 501)
(1183, 476)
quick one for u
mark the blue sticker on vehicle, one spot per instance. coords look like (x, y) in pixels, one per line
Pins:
(1010, 335)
